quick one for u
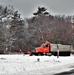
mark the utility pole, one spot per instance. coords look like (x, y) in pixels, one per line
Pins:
(57, 51)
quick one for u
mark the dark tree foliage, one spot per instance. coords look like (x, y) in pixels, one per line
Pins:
(11, 30)
(56, 29)
(18, 35)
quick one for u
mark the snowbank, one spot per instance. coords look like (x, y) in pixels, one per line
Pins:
(29, 65)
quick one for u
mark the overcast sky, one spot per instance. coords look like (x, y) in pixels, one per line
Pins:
(27, 7)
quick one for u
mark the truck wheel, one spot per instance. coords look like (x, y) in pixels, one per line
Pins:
(40, 54)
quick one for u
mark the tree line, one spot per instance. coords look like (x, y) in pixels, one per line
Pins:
(18, 35)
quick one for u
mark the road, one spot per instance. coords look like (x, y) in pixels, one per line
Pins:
(66, 73)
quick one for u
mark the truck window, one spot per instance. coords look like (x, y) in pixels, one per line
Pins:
(46, 45)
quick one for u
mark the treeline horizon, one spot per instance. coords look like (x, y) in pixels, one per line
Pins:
(17, 34)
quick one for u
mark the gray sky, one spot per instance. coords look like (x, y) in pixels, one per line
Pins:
(27, 7)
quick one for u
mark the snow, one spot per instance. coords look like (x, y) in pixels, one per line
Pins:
(29, 65)
(4, 19)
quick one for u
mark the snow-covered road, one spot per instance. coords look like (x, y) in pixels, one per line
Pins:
(28, 65)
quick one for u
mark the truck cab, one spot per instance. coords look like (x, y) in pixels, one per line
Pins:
(44, 49)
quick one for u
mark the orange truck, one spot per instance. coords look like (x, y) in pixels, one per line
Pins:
(51, 49)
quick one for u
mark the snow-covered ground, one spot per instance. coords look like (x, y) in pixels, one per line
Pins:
(29, 65)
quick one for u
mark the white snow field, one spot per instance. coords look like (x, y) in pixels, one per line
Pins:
(29, 65)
